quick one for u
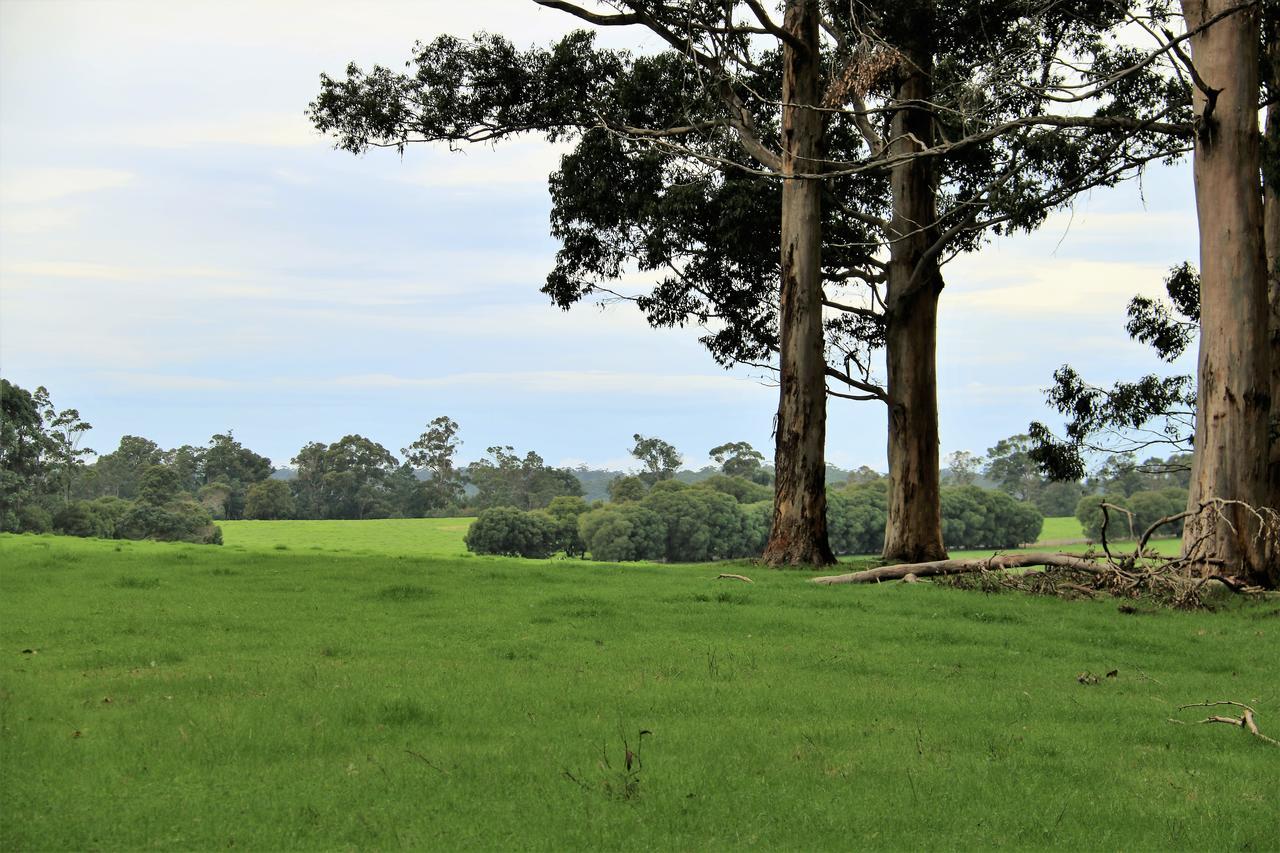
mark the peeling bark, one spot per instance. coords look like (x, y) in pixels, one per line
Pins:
(913, 531)
(1234, 372)
(799, 533)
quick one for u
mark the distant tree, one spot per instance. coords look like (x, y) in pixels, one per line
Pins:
(659, 458)
(434, 452)
(863, 474)
(741, 490)
(120, 471)
(159, 485)
(269, 500)
(506, 479)
(22, 449)
(973, 517)
(1012, 468)
(64, 431)
(740, 459)
(227, 461)
(963, 466)
(565, 512)
(1055, 500)
(347, 479)
(622, 489)
(216, 498)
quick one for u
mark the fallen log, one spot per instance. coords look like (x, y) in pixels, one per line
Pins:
(954, 567)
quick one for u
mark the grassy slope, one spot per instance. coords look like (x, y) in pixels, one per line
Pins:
(310, 699)
(1062, 527)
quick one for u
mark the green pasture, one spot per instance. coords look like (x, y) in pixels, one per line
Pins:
(192, 697)
(1059, 528)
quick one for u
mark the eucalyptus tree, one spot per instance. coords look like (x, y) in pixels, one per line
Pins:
(795, 186)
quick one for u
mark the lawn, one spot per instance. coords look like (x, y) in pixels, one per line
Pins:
(1062, 527)
(191, 697)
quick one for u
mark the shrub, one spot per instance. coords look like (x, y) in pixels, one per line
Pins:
(700, 524)
(510, 532)
(176, 521)
(856, 518)
(974, 517)
(109, 513)
(564, 512)
(75, 519)
(32, 518)
(1147, 507)
(620, 532)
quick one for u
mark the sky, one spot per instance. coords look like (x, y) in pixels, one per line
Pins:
(182, 254)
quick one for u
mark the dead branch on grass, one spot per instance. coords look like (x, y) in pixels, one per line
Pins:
(1126, 575)
(1247, 719)
(727, 576)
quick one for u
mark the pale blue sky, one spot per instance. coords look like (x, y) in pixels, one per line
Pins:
(181, 254)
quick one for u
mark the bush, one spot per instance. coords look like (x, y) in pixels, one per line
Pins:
(974, 517)
(512, 533)
(856, 518)
(32, 518)
(701, 524)
(625, 531)
(564, 512)
(76, 519)
(176, 521)
(108, 514)
(759, 523)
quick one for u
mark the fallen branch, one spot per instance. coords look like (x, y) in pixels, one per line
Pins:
(727, 576)
(1247, 719)
(998, 562)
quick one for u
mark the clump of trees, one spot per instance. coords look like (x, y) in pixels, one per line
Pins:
(721, 518)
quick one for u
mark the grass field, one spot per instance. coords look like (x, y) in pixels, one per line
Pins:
(1064, 527)
(193, 697)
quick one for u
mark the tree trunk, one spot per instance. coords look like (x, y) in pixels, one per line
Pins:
(799, 533)
(1271, 240)
(1234, 377)
(913, 532)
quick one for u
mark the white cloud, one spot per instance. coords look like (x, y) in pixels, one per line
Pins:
(1074, 287)
(567, 382)
(39, 185)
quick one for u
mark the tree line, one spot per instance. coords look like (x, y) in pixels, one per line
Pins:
(797, 185)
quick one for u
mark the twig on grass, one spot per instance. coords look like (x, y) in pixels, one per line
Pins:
(728, 576)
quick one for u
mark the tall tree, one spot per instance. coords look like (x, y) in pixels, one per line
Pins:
(659, 458)
(433, 452)
(1233, 395)
(930, 123)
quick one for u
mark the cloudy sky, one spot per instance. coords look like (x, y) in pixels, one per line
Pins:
(181, 254)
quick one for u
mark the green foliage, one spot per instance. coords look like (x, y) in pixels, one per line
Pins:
(347, 479)
(177, 521)
(269, 499)
(980, 518)
(856, 518)
(564, 511)
(528, 483)
(1058, 498)
(1011, 467)
(619, 532)
(740, 459)
(1146, 507)
(659, 458)
(700, 524)
(513, 533)
(623, 489)
(158, 485)
(741, 489)
(433, 452)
